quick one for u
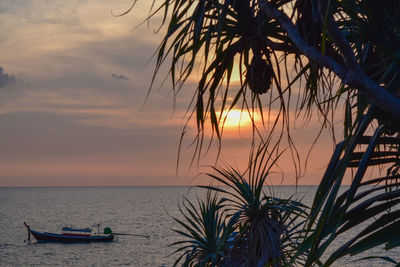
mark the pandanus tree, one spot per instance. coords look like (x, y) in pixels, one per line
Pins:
(328, 53)
(246, 226)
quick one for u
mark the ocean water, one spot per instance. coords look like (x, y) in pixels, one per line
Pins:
(135, 210)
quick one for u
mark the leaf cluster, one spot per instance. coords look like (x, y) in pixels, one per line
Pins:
(245, 226)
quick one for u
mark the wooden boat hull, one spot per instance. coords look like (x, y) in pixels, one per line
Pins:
(59, 238)
(50, 237)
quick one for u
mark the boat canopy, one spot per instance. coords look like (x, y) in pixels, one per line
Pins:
(82, 230)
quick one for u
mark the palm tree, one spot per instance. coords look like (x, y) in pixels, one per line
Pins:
(266, 228)
(342, 52)
(260, 229)
(367, 208)
(206, 232)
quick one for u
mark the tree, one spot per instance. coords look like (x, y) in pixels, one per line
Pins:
(246, 227)
(340, 52)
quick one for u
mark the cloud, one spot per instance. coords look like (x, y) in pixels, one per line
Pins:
(120, 77)
(6, 79)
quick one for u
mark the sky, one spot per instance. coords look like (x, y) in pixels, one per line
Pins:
(73, 110)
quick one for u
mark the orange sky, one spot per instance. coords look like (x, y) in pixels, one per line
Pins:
(73, 83)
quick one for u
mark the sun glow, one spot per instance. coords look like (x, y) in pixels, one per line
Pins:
(236, 118)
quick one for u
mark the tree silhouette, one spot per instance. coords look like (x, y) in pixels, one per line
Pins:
(329, 53)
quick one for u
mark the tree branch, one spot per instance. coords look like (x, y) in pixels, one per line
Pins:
(354, 77)
(343, 44)
(284, 47)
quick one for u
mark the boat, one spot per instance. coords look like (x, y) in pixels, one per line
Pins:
(71, 235)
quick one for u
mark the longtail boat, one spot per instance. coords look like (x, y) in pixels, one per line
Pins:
(71, 235)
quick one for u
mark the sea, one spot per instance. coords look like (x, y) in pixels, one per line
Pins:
(133, 210)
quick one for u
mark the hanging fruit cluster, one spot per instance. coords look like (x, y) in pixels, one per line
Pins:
(259, 74)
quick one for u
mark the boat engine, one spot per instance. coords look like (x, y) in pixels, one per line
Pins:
(107, 231)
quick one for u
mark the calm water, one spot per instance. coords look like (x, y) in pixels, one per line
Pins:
(137, 210)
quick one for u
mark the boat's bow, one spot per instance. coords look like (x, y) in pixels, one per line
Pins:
(29, 231)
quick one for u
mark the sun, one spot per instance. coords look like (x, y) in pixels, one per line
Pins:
(236, 118)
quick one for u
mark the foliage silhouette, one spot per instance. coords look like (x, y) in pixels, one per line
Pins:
(329, 53)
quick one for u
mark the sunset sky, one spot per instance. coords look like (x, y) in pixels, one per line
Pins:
(73, 79)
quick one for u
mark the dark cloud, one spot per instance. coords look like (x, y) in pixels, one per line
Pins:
(6, 79)
(120, 77)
